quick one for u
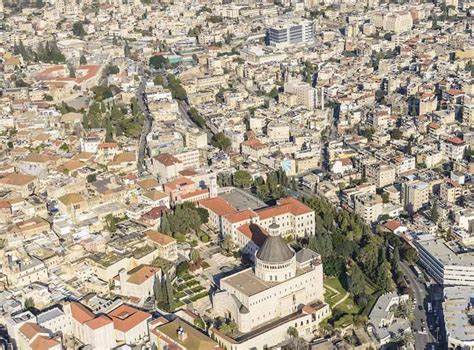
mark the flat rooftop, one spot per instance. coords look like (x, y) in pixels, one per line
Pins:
(456, 312)
(242, 201)
(249, 284)
(438, 248)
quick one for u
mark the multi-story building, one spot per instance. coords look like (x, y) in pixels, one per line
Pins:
(368, 206)
(381, 174)
(288, 33)
(450, 191)
(447, 265)
(415, 195)
(398, 22)
(283, 289)
(453, 148)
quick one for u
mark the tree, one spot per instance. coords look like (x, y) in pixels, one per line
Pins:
(78, 29)
(197, 118)
(224, 179)
(228, 327)
(182, 268)
(221, 141)
(126, 49)
(292, 332)
(111, 223)
(396, 258)
(434, 214)
(385, 197)
(158, 80)
(177, 91)
(195, 256)
(158, 62)
(384, 277)
(273, 93)
(356, 280)
(91, 178)
(242, 179)
(168, 292)
(203, 215)
(158, 291)
(82, 60)
(112, 69)
(29, 303)
(165, 225)
(109, 131)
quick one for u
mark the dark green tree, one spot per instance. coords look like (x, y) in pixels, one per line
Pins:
(434, 214)
(242, 179)
(221, 141)
(165, 225)
(78, 29)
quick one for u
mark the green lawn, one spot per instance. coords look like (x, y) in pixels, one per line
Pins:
(332, 298)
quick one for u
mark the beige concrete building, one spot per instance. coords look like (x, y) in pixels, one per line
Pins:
(381, 174)
(368, 206)
(415, 195)
(398, 22)
(450, 191)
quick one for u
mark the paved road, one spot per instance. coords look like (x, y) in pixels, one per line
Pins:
(143, 104)
(421, 339)
(184, 111)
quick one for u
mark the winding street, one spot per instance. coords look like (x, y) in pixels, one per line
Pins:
(143, 104)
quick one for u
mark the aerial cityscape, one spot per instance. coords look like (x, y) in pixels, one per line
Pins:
(236, 174)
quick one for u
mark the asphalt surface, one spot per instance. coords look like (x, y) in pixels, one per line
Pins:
(143, 104)
(427, 326)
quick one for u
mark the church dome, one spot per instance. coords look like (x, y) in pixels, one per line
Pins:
(275, 249)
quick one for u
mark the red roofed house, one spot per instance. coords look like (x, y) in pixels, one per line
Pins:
(131, 324)
(453, 148)
(33, 336)
(166, 166)
(98, 331)
(395, 227)
(254, 148)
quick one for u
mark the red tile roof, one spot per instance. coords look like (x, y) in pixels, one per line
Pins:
(80, 313)
(254, 232)
(392, 225)
(167, 159)
(455, 141)
(284, 206)
(126, 317)
(239, 216)
(98, 322)
(217, 205)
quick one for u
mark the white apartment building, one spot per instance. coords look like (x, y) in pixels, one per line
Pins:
(288, 33)
(398, 22)
(447, 266)
(453, 148)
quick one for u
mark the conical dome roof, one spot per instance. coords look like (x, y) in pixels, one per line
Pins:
(275, 249)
